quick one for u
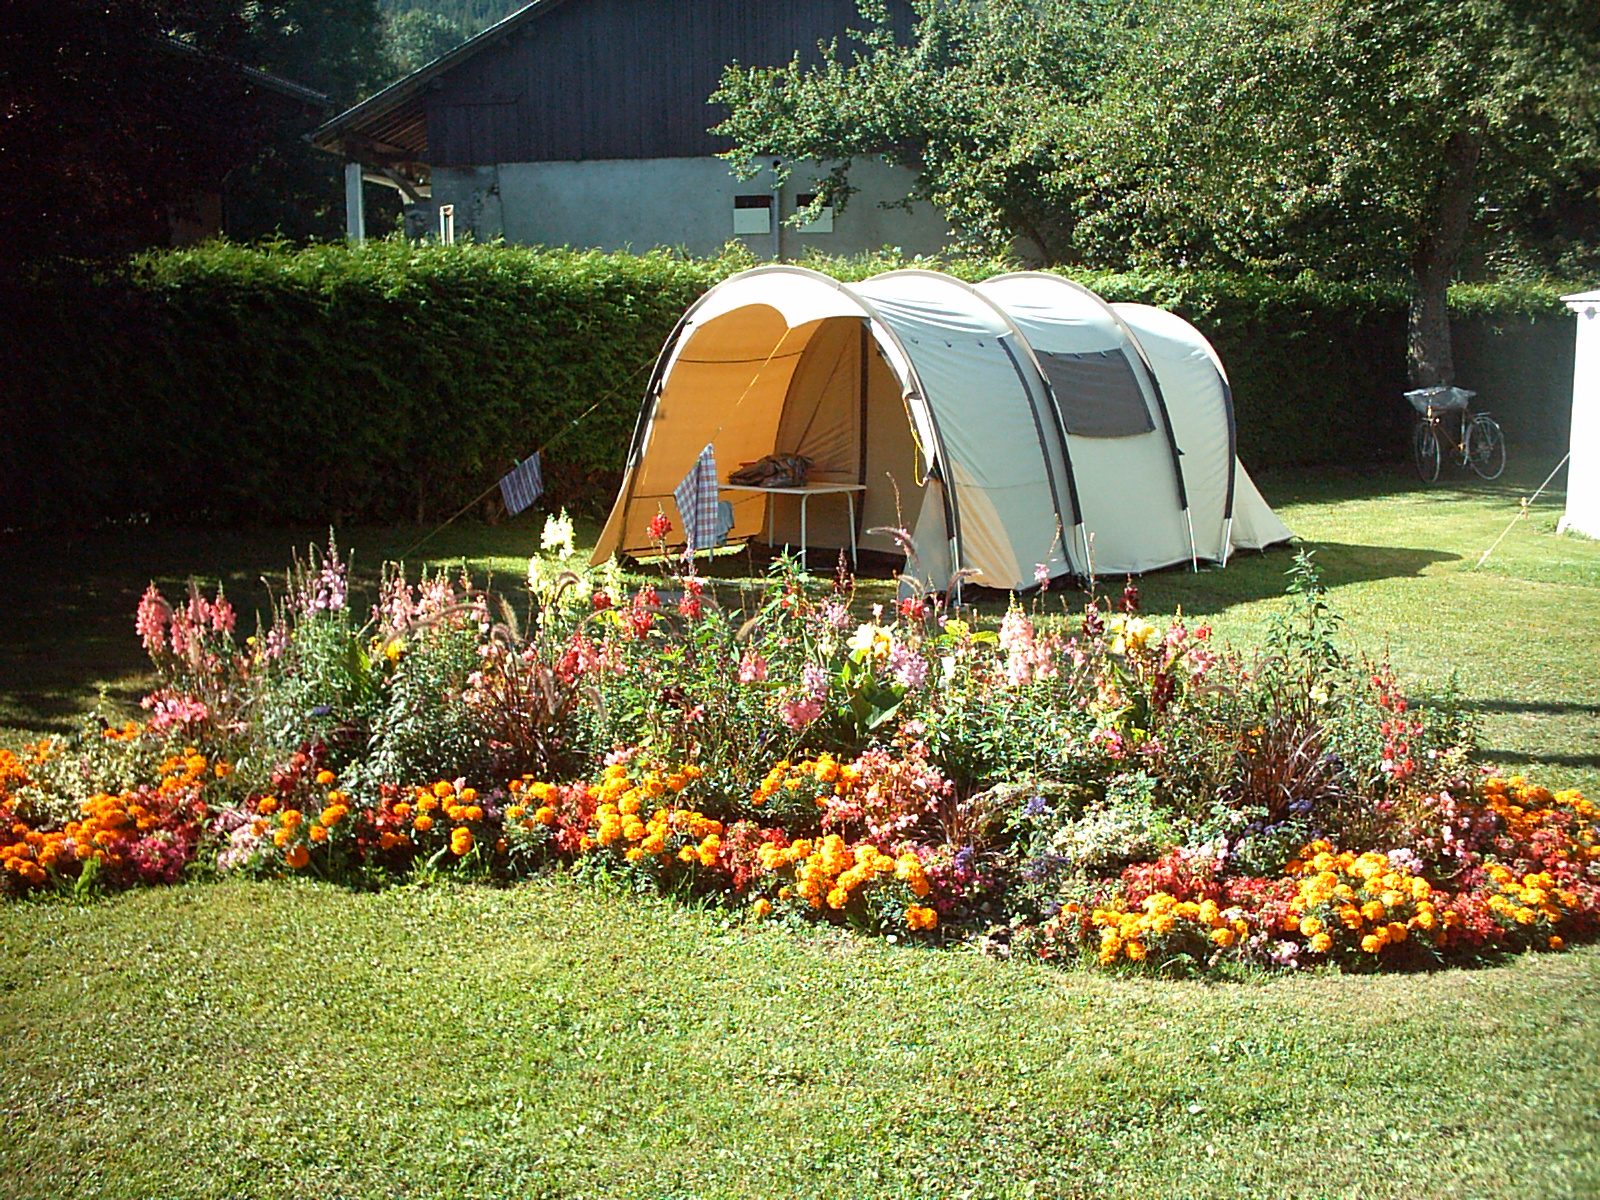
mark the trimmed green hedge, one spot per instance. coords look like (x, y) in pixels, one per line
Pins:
(396, 381)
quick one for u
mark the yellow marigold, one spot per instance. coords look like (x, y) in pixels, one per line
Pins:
(838, 897)
(1396, 931)
(325, 777)
(423, 823)
(1321, 943)
(1223, 936)
(1135, 951)
(280, 838)
(267, 805)
(443, 789)
(921, 917)
(318, 833)
(1373, 910)
(762, 908)
(514, 812)
(1310, 926)
(333, 815)
(460, 840)
(633, 854)
(1556, 943)
(1371, 944)
(298, 856)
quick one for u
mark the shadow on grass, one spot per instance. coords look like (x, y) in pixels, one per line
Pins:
(1526, 469)
(1518, 758)
(1549, 707)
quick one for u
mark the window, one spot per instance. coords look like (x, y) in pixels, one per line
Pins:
(752, 213)
(823, 222)
(1098, 393)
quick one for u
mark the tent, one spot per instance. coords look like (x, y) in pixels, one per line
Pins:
(1018, 422)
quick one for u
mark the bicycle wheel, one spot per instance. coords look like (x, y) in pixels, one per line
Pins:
(1486, 447)
(1425, 448)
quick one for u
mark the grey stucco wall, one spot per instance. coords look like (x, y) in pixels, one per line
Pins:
(687, 203)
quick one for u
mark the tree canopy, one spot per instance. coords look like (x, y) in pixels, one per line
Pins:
(120, 113)
(1357, 138)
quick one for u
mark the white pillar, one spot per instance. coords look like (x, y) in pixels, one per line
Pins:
(1583, 470)
(355, 217)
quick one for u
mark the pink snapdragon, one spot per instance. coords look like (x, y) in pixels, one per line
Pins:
(151, 620)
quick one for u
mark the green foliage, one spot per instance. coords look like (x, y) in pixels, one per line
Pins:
(384, 380)
(233, 384)
(415, 37)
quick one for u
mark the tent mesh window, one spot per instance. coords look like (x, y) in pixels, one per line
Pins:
(1098, 393)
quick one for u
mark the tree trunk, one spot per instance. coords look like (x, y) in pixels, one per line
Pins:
(1428, 359)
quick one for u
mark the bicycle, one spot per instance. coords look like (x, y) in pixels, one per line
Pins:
(1476, 442)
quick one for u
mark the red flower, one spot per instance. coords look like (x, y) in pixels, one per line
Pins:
(659, 527)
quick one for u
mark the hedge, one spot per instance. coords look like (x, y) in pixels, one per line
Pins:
(232, 384)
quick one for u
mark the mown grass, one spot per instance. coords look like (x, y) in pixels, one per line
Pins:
(554, 1040)
(294, 1039)
(1521, 634)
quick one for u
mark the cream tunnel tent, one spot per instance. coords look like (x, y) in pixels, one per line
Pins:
(1020, 422)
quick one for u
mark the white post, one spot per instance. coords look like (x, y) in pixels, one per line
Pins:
(355, 217)
(447, 224)
(1583, 470)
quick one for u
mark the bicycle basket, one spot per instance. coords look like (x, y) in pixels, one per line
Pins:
(1439, 399)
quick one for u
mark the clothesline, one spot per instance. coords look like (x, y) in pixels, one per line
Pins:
(556, 437)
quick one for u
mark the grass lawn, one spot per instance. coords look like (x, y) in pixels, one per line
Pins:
(555, 1040)
(293, 1040)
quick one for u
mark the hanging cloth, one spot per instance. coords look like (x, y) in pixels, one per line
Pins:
(697, 502)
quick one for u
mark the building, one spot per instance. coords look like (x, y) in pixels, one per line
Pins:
(584, 123)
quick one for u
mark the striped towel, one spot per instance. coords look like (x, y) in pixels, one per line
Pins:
(697, 502)
(522, 485)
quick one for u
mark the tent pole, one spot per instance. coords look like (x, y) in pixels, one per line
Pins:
(1194, 555)
(1227, 540)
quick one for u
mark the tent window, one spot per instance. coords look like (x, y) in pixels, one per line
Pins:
(1098, 393)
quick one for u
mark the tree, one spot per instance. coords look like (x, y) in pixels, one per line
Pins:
(1360, 138)
(416, 37)
(960, 104)
(119, 113)
(109, 127)
(1357, 137)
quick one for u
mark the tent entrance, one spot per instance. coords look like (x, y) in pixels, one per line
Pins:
(844, 411)
(750, 384)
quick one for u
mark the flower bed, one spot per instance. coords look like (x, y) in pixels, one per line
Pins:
(1077, 783)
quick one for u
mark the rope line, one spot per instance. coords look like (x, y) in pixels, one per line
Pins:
(551, 441)
(1523, 506)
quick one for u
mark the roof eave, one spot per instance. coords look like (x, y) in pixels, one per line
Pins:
(331, 134)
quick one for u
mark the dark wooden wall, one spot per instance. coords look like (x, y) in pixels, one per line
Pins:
(592, 79)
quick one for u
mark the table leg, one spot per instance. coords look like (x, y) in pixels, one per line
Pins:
(850, 499)
(804, 496)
